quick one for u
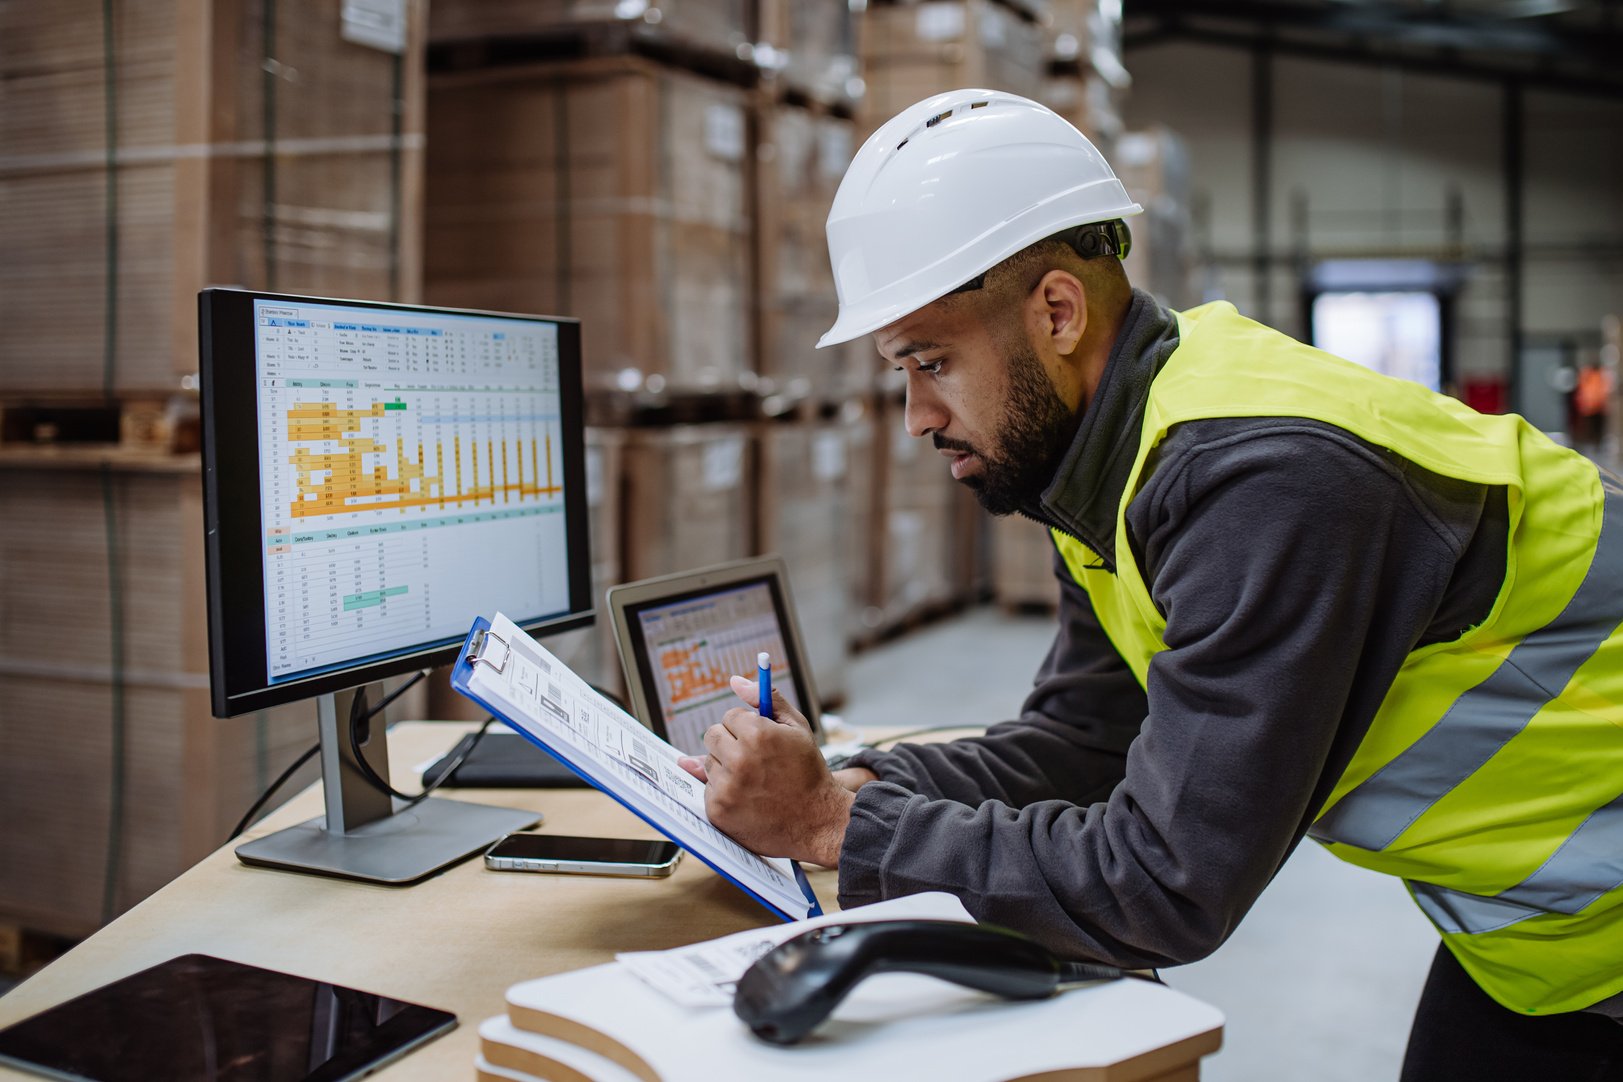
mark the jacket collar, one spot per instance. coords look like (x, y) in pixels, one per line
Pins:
(1085, 495)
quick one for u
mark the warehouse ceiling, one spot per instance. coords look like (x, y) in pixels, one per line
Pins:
(1572, 45)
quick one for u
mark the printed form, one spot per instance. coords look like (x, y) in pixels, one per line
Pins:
(535, 692)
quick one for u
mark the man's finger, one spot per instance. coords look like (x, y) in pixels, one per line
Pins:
(749, 691)
(694, 765)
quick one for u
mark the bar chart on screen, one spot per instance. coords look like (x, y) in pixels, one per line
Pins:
(386, 439)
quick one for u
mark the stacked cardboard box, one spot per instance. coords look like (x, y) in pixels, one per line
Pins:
(806, 518)
(219, 144)
(613, 190)
(1022, 564)
(916, 50)
(810, 151)
(286, 160)
(720, 25)
(687, 497)
(1154, 168)
(917, 534)
(187, 776)
(811, 45)
(1086, 78)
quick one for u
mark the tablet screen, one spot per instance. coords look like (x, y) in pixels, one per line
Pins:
(197, 1017)
(692, 644)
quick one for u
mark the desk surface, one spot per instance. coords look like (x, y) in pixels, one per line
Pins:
(456, 941)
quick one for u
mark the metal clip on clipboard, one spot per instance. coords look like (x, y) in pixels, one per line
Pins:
(477, 655)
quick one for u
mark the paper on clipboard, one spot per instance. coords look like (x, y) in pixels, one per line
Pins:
(526, 686)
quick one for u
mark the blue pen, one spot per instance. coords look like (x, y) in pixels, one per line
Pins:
(763, 662)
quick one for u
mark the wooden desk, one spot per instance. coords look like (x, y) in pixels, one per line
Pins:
(456, 941)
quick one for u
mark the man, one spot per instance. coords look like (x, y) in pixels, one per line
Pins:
(1297, 597)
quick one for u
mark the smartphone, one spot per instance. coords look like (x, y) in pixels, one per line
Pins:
(523, 852)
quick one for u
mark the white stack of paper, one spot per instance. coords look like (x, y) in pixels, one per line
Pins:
(632, 1019)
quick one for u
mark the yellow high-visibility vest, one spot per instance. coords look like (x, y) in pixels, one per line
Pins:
(1491, 778)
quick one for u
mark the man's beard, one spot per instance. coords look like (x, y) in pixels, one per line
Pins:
(1036, 432)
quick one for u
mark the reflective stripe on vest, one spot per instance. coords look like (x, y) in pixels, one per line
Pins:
(1490, 778)
(1481, 722)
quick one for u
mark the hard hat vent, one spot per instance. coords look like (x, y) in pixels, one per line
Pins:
(938, 118)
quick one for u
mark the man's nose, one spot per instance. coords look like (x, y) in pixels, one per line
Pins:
(924, 413)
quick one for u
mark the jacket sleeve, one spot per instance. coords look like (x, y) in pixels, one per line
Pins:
(1295, 572)
(1069, 742)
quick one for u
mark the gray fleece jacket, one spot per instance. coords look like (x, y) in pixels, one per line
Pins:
(1296, 567)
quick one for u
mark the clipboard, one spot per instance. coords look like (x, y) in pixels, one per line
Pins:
(483, 647)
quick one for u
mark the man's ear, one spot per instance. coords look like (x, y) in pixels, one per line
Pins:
(1061, 302)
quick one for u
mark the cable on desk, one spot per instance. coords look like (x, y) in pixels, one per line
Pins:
(281, 779)
(377, 782)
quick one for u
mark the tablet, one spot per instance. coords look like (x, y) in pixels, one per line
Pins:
(199, 1018)
(681, 636)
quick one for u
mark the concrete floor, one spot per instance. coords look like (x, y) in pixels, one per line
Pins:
(1321, 979)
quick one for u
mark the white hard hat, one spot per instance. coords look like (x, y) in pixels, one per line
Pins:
(949, 188)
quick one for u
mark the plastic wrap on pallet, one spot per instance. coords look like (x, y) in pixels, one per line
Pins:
(915, 50)
(719, 25)
(809, 154)
(918, 512)
(813, 48)
(58, 707)
(1022, 564)
(1089, 103)
(806, 519)
(202, 191)
(610, 190)
(1085, 38)
(687, 497)
(1154, 167)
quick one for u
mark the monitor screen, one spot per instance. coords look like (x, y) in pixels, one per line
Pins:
(408, 469)
(691, 645)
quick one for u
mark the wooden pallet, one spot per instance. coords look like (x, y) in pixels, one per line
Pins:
(137, 424)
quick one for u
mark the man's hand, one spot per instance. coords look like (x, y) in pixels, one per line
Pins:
(766, 785)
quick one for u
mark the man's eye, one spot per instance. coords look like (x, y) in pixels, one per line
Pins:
(932, 367)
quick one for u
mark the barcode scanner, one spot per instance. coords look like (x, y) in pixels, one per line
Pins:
(792, 988)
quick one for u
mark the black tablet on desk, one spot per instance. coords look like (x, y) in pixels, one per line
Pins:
(501, 760)
(202, 1019)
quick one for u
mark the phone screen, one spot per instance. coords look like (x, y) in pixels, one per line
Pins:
(596, 850)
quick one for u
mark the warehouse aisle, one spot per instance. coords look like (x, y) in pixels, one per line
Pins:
(1321, 979)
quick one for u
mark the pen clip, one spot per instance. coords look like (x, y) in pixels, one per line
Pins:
(476, 650)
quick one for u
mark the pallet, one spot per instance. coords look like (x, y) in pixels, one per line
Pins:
(132, 424)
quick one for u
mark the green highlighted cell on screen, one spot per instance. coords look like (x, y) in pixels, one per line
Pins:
(371, 598)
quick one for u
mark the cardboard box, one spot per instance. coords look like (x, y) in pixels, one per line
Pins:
(187, 777)
(720, 25)
(1091, 104)
(688, 498)
(804, 157)
(814, 47)
(293, 165)
(916, 572)
(1023, 564)
(916, 50)
(806, 519)
(610, 190)
(1154, 168)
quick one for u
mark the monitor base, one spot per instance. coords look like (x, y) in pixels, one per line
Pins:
(403, 848)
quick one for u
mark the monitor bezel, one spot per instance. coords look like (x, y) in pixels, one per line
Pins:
(627, 601)
(233, 527)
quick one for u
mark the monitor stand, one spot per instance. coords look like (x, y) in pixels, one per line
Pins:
(366, 834)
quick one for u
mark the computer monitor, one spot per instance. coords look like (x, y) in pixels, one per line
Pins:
(376, 476)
